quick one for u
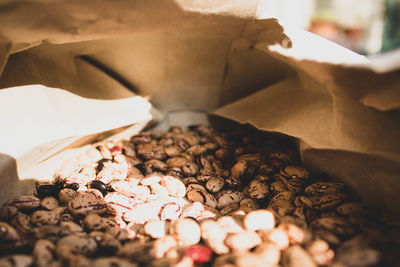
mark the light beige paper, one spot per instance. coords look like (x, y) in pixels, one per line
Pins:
(39, 122)
(204, 56)
(324, 106)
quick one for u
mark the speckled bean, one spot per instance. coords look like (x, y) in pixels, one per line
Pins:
(320, 251)
(296, 256)
(186, 231)
(175, 187)
(259, 220)
(151, 179)
(336, 225)
(156, 228)
(142, 213)
(24, 202)
(159, 190)
(128, 188)
(193, 210)
(8, 212)
(118, 233)
(42, 217)
(282, 207)
(193, 186)
(229, 209)
(296, 234)
(49, 203)
(16, 260)
(7, 232)
(324, 202)
(71, 226)
(215, 184)
(243, 241)
(118, 203)
(163, 244)
(277, 187)
(277, 237)
(228, 196)
(66, 195)
(138, 252)
(106, 244)
(269, 253)
(324, 188)
(94, 222)
(43, 253)
(214, 236)
(170, 211)
(239, 169)
(202, 196)
(350, 208)
(84, 203)
(249, 203)
(231, 224)
(22, 223)
(258, 189)
(75, 244)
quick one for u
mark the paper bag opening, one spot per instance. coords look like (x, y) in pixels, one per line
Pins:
(226, 62)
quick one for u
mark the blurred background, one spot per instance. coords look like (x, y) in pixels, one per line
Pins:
(364, 26)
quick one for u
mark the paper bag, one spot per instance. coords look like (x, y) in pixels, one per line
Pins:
(191, 58)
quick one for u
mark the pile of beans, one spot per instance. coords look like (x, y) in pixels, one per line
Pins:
(193, 197)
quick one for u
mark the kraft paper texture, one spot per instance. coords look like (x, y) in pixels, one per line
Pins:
(110, 59)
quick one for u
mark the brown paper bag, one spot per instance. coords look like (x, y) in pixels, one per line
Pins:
(190, 58)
